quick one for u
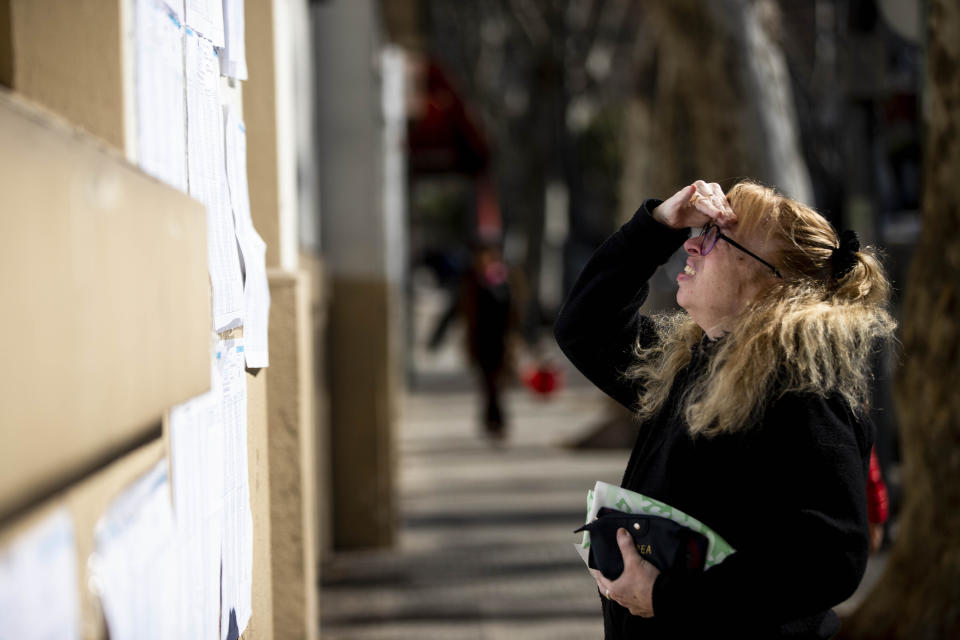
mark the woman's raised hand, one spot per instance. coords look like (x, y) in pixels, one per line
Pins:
(695, 206)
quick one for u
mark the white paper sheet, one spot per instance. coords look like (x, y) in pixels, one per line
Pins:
(208, 180)
(161, 121)
(233, 56)
(38, 583)
(206, 18)
(196, 453)
(237, 545)
(135, 564)
(256, 290)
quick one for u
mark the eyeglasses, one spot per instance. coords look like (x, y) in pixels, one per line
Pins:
(708, 240)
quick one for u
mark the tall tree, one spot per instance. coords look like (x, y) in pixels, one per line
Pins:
(918, 596)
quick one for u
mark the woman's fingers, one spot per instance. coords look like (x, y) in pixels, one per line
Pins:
(603, 584)
(672, 212)
(710, 201)
(703, 187)
(633, 589)
(728, 216)
(628, 549)
(707, 207)
(694, 206)
(705, 200)
(701, 201)
(681, 197)
(597, 576)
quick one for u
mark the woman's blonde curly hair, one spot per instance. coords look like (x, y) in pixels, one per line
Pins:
(810, 332)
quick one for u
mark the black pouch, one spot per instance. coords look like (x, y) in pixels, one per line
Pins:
(660, 541)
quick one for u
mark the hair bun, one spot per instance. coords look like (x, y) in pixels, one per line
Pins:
(845, 256)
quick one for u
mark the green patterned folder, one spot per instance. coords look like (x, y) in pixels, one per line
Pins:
(613, 497)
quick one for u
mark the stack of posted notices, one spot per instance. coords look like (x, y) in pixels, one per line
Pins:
(613, 497)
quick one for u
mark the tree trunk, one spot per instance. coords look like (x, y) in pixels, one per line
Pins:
(918, 597)
(714, 102)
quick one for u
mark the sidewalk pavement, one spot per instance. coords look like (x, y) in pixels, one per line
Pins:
(485, 544)
(484, 548)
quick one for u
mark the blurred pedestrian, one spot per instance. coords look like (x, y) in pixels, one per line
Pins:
(485, 302)
(752, 402)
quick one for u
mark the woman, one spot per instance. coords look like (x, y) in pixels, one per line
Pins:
(752, 406)
(487, 305)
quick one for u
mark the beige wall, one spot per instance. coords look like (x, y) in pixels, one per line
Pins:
(76, 309)
(85, 501)
(74, 58)
(68, 56)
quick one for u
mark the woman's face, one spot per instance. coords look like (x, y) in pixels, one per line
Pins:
(714, 288)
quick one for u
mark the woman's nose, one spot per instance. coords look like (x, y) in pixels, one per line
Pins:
(692, 246)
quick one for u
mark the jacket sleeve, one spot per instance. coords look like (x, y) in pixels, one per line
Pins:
(805, 552)
(598, 323)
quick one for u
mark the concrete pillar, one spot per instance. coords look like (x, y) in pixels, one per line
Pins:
(292, 450)
(262, 619)
(271, 104)
(359, 244)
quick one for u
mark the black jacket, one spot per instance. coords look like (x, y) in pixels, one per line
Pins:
(789, 494)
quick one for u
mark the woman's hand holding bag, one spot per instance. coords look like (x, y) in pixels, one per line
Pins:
(633, 590)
